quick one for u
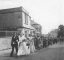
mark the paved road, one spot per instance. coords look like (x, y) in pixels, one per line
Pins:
(54, 52)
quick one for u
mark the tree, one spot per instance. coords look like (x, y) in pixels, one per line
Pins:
(61, 31)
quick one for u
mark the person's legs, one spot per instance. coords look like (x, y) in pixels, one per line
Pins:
(16, 47)
(12, 51)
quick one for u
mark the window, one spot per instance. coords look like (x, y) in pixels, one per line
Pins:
(26, 18)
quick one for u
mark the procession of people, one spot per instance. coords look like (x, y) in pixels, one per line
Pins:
(22, 45)
(26, 45)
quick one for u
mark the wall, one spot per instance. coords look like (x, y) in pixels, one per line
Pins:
(26, 25)
(11, 19)
(5, 43)
(38, 28)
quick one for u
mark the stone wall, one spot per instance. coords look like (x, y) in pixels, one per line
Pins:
(5, 43)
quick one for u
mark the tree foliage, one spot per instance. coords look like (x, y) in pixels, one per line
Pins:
(61, 31)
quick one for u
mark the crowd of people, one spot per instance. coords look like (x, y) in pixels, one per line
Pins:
(23, 45)
(26, 45)
(49, 41)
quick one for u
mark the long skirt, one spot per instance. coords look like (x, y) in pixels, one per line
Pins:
(23, 49)
(32, 48)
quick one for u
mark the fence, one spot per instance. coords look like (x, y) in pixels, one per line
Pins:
(7, 33)
(5, 39)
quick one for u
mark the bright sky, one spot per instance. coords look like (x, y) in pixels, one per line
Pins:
(48, 13)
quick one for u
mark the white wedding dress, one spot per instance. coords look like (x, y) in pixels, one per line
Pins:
(23, 49)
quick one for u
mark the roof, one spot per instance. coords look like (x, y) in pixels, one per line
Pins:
(34, 23)
(11, 10)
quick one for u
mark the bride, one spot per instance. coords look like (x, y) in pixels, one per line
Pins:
(23, 49)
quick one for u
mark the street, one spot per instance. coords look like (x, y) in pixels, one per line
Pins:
(54, 52)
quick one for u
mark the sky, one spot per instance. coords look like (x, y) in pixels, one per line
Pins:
(48, 13)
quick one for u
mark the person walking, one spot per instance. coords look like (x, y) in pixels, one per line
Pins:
(32, 47)
(23, 48)
(14, 44)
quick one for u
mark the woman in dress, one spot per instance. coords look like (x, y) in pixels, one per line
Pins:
(23, 48)
(32, 47)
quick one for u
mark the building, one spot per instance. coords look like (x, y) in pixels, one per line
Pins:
(53, 33)
(38, 27)
(15, 20)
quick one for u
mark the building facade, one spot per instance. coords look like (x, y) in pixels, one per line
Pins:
(53, 33)
(15, 20)
(38, 27)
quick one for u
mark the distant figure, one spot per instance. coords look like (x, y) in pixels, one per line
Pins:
(14, 44)
(45, 42)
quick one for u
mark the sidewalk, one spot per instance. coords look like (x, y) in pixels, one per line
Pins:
(58, 45)
(8, 51)
(4, 52)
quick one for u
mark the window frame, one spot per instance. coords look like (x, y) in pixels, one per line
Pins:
(26, 19)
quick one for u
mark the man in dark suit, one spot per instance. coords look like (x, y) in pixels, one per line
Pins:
(14, 43)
